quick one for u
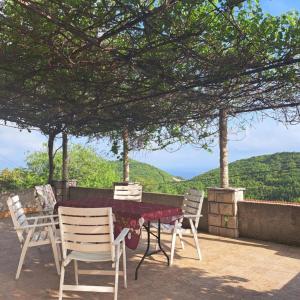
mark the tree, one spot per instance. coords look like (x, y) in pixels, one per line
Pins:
(110, 65)
(85, 165)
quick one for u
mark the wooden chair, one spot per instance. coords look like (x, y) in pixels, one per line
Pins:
(128, 192)
(35, 234)
(45, 197)
(87, 235)
(191, 208)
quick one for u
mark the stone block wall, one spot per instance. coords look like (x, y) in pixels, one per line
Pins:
(61, 188)
(223, 212)
(262, 220)
(270, 221)
(27, 198)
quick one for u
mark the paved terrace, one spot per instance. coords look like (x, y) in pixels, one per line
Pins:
(231, 269)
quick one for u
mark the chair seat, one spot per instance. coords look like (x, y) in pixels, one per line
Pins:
(168, 227)
(40, 236)
(93, 256)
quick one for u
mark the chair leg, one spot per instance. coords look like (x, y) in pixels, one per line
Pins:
(76, 271)
(124, 265)
(58, 252)
(61, 283)
(54, 249)
(194, 231)
(181, 241)
(23, 253)
(117, 272)
(173, 243)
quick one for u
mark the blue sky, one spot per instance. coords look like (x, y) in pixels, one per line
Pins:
(265, 137)
(276, 7)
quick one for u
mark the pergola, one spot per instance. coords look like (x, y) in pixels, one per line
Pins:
(116, 69)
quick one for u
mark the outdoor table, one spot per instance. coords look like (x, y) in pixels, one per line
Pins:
(133, 215)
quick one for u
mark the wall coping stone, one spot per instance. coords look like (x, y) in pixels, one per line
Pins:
(229, 189)
(272, 202)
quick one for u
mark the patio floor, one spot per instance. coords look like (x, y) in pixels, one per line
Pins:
(231, 269)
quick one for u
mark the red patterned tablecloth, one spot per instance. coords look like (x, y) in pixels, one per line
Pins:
(129, 214)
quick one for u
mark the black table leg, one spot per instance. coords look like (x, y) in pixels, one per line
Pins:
(149, 253)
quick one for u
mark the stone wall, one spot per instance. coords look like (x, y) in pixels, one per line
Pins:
(27, 198)
(223, 211)
(277, 222)
(269, 221)
(77, 193)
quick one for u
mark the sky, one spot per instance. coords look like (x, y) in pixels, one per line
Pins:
(266, 136)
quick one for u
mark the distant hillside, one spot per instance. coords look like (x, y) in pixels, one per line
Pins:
(88, 168)
(270, 177)
(266, 177)
(152, 178)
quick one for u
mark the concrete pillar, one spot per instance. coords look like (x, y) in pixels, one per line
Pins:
(61, 188)
(222, 211)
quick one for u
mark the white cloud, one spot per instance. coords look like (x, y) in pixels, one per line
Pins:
(268, 137)
(263, 138)
(14, 144)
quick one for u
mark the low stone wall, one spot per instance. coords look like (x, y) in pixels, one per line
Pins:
(27, 198)
(269, 221)
(77, 193)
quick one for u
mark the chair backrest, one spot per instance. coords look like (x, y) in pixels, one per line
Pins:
(86, 230)
(45, 196)
(128, 192)
(17, 214)
(192, 204)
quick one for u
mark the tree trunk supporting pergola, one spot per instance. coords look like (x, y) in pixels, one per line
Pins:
(223, 140)
(222, 201)
(51, 138)
(65, 158)
(125, 136)
(65, 165)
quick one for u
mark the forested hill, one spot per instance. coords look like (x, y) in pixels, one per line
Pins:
(270, 177)
(88, 168)
(266, 177)
(152, 178)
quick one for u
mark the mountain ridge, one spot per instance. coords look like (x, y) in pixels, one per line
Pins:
(267, 177)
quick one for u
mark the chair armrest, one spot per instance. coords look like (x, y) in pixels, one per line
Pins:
(42, 217)
(121, 236)
(192, 216)
(35, 225)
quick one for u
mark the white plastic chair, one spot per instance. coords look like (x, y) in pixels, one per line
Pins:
(87, 235)
(45, 197)
(191, 208)
(35, 234)
(132, 191)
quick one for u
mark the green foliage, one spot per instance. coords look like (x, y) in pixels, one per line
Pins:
(266, 177)
(152, 179)
(88, 168)
(18, 179)
(85, 165)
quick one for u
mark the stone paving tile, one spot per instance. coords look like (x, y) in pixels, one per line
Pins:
(231, 269)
